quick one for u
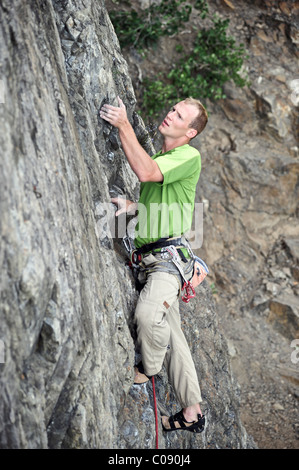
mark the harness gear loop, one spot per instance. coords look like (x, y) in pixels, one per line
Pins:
(187, 286)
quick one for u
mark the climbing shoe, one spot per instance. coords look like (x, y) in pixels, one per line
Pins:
(140, 376)
(178, 422)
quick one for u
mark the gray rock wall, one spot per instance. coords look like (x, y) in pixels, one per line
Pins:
(67, 296)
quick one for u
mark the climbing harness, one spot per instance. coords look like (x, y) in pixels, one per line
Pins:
(136, 254)
(169, 253)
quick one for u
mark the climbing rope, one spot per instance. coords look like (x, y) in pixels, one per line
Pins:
(156, 413)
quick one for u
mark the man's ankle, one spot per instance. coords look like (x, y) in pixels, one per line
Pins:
(191, 412)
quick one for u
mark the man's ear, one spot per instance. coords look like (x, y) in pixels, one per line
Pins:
(191, 133)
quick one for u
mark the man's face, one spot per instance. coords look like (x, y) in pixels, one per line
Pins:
(176, 123)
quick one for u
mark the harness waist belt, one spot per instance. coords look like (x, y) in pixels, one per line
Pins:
(158, 244)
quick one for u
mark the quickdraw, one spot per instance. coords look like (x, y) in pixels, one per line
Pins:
(188, 295)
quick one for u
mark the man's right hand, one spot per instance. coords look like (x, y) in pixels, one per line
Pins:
(145, 168)
(124, 206)
(117, 116)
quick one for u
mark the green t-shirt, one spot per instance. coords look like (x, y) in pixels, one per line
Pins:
(165, 209)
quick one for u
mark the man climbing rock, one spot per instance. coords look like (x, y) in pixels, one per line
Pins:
(168, 179)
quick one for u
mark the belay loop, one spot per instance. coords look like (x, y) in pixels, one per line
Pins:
(187, 286)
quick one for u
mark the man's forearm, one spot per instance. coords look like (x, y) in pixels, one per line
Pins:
(139, 160)
(141, 163)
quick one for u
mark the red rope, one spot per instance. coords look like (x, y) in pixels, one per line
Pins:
(156, 413)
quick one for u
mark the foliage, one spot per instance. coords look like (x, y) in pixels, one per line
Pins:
(215, 58)
(144, 29)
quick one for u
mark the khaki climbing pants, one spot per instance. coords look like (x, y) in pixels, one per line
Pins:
(160, 337)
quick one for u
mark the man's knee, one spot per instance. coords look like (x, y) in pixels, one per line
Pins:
(151, 324)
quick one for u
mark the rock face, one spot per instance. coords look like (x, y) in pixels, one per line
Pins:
(67, 296)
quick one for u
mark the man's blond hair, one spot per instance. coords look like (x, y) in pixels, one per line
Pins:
(200, 122)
